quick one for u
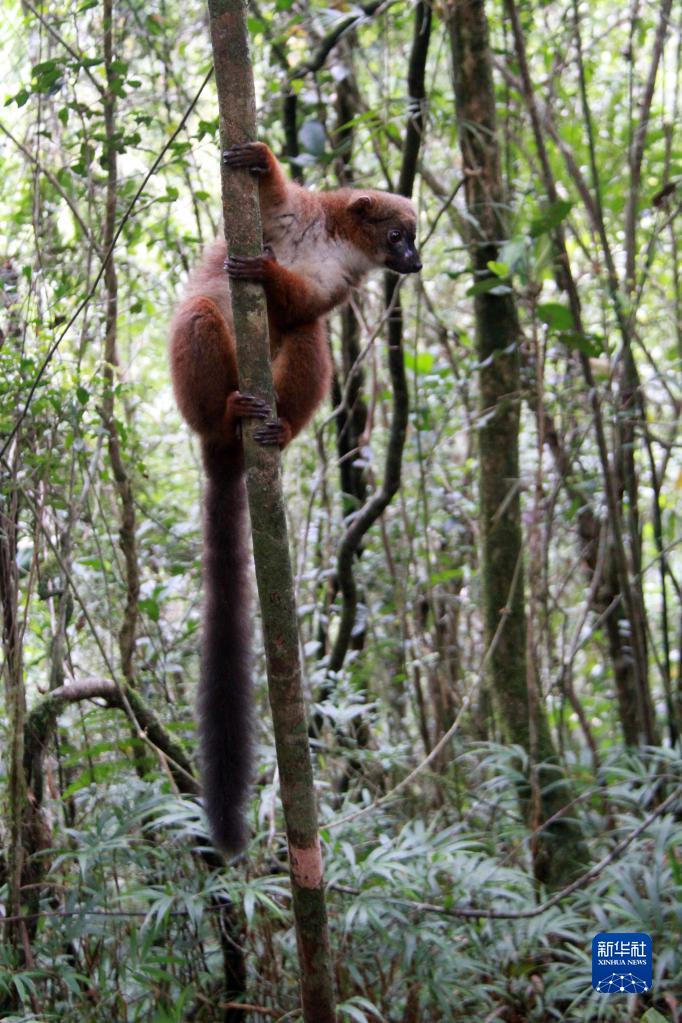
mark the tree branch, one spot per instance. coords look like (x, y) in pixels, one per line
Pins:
(43, 717)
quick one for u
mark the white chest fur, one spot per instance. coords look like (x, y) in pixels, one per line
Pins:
(301, 242)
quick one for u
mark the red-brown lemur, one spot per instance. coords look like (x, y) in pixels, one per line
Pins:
(317, 246)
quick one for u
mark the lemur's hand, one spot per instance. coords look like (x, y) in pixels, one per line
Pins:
(250, 156)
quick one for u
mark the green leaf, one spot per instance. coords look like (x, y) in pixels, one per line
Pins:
(489, 285)
(499, 269)
(47, 76)
(96, 773)
(550, 217)
(352, 1011)
(152, 608)
(423, 363)
(45, 67)
(514, 253)
(154, 24)
(255, 26)
(82, 395)
(653, 1016)
(446, 575)
(20, 99)
(556, 316)
(589, 344)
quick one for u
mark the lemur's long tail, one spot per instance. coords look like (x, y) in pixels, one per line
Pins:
(225, 691)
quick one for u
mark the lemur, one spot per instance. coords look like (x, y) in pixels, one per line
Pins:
(317, 247)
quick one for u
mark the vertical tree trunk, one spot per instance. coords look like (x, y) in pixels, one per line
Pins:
(126, 636)
(274, 578)
(559, 851)
(351, 419)
(630, 404)
(377, 504)
(15, 698)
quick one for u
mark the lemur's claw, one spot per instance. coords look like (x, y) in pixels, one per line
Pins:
(248, 268)
(248, 406)
(251, 156)
(274, 434)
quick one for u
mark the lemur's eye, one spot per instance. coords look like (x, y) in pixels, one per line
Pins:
(394, 236)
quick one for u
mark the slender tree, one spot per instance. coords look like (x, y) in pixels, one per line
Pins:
(559, 850)
(274, 578)
(378, 502)
(124, 488)
(15, 695)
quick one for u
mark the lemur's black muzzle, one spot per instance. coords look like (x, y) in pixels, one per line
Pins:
(405, 259)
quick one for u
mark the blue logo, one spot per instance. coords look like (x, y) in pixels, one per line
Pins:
(622, 963)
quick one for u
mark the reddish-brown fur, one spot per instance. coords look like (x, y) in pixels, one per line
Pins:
(318, 246)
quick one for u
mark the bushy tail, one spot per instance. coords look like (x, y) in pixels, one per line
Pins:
(225, 689)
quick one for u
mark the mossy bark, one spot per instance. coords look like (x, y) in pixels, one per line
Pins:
(559, 852)
(274, 576)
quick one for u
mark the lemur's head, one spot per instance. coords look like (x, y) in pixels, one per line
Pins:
(386, 226)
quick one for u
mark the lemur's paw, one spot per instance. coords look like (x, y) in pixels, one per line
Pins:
(250, 156)
(249, 268)
(274, 434)
(247, 406)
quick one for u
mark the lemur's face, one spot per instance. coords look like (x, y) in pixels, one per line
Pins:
(387, 227)
(401, 251)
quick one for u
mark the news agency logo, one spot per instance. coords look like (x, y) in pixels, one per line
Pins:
(622, 963)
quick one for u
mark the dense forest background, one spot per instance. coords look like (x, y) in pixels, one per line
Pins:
(484, 518)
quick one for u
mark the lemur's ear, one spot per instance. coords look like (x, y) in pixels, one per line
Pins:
(361, 204)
